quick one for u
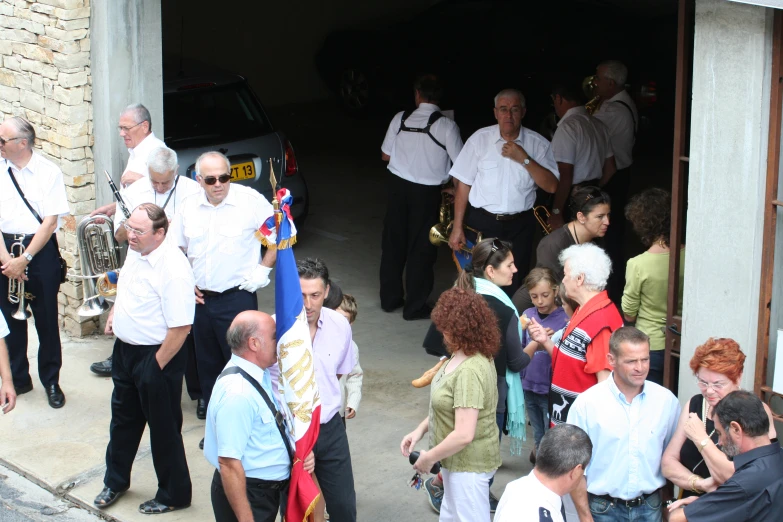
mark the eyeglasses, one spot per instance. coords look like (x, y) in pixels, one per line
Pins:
(223, 178)
(717, 386)
(4, 141)
(128, 129)
(135, 232)
(516, 109)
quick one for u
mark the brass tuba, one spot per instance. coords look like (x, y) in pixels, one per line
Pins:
(98, 253)
(589, 87)
(441, 231)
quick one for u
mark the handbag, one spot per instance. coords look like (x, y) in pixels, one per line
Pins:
(63, 264)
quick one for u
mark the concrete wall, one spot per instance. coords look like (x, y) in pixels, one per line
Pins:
(729, 132)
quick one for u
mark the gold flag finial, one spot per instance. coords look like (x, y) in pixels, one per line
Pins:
(273, 182)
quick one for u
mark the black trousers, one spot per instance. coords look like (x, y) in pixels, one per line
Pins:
(210, 324)
(146, 395)
(43, 283)
(334, 471)
(411, 210)
(191, 371)
(519, 232)
(264, 497)
(614, 241)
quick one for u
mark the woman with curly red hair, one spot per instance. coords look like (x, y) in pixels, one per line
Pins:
(463, 431)
(693, 461)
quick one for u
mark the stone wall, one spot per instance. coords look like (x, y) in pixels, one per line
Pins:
(45, 78)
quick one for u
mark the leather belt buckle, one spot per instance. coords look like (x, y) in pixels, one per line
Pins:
(505, 217)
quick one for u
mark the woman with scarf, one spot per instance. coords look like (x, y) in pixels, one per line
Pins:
(492, 267)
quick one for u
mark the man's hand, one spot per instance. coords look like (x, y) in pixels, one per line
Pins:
(682, 503)
(14, 268)
(129, 177)
(514, 151)
(450, 190)
(309, 463)
(160, 360)
(7, 396)
(457, 238)
(258, 278)
(350, 413)
(199, 296)
(109, 324)
(107, 210)
(556, 221)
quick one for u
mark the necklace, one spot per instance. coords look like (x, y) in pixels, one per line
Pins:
(576, 237)
(705, 410)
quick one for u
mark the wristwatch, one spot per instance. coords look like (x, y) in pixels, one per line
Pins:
(555, 211)
(703, 444)
(526, 161)
(28, 256)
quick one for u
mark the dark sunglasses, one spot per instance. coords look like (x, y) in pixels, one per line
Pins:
(3, 142)
(211, 180)
(496, 245)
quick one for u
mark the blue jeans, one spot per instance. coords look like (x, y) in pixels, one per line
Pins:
(537, 405)
(605, 511)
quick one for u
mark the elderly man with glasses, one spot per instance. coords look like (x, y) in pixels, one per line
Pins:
(216, 229)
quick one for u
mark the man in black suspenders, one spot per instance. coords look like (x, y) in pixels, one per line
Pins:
(420, 147)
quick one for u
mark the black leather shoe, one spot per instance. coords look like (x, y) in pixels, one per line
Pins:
(153, 507)
(107, 497)
(421, 313)
(201, 444)
(55, 395)
(390, 307)
(102, 368)
(24, 389)
(201, 409)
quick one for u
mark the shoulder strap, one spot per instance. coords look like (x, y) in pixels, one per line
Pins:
(279, 419)
(173, 189)
(19, 190)
(435, 116)
(632, 116)
(405, 115)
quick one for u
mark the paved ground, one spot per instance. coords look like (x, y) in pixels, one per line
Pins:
(63, 450)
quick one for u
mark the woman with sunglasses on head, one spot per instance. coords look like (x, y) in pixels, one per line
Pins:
(693, 461)
(592, 207)
(492, 268)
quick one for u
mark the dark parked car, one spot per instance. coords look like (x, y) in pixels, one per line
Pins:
(219, 111)
(479, 47)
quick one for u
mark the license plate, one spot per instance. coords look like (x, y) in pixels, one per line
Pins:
(243, 171)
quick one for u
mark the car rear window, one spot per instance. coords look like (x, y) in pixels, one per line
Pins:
(198, 116)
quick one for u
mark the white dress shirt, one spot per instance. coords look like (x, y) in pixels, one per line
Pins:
(622, 126)
(527, 499)
(501, 185)
(582, 141)
(154, 293)
(628, 439)
(142, 192)
(220, 240)
(137, 161)
(413, 155)
(4, 331)
(42, 183)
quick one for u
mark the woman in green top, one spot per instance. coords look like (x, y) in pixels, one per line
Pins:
(647, 275)
(463, 432)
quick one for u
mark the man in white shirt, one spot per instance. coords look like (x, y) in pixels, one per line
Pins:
(618, 113)
(216, 229)
(630, 421)
(497, 172)
(38, 268)
(420, 147)
(581, 147)
(151, 318)
(136, 132)
(563, 455)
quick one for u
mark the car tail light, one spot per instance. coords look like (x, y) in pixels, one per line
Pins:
(291, 167)
(649, 92)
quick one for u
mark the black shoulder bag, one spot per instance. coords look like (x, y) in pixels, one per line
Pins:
(63, 264)
(279, 418)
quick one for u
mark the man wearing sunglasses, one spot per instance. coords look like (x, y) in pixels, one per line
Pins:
(30, 215)
(216, 229)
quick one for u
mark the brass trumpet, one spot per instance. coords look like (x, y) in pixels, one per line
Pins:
(16, 293)
(542, 216)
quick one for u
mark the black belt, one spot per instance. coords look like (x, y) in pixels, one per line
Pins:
(503, 217)
(266, 484)
(210, 293)
(634, 502)
(14, 237)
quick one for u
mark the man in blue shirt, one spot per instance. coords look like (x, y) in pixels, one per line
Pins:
(630, 421)
(242, 438)
(755, 491)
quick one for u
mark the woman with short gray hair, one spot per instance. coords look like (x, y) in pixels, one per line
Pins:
(579, 359)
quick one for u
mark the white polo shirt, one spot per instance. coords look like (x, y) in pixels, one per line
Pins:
(622, 126)
(137, 161)
(142, 192)
(413, 155)
(42, 184)
(582, 141)
(154, 293)
(220, 240)
(527, 499)
(501, 185)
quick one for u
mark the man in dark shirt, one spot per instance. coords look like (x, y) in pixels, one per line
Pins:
(755, 491)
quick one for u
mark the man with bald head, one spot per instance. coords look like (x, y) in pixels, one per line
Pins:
(216, 229)
(32, 200)
(251, 454)
(496, 175)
